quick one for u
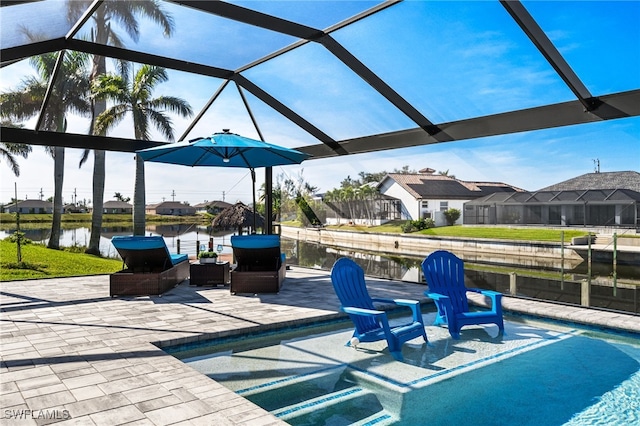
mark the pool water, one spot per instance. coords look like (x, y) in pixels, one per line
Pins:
(537, 373)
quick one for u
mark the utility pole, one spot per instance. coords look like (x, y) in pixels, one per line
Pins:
(596, 165)
(173, 194)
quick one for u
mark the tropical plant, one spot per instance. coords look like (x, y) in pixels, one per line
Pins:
(8, 150)
(277, 193)
(451, 215)
(446, 173)
(68, 94)
(118, 196)
(135, 96)
(103, 31)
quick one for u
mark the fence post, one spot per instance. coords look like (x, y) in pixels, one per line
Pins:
(589, 256)
(562, 260)
(178, 245)
(585, 294)
(615, 263)
(513, 277)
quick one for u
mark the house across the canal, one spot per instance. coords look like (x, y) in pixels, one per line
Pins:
(171, 208)
(592, 199)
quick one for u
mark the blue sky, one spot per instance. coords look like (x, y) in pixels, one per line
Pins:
(451, 59)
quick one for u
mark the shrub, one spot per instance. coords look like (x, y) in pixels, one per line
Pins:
(407, 227)
(452, 215)
(417, 225)
(18, 236)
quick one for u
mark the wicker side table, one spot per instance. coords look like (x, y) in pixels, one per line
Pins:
(209, 273)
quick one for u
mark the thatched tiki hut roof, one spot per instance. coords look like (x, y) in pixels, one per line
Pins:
(237, 216)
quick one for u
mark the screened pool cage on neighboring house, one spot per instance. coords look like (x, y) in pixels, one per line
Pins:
(374, 211)
(618, 207)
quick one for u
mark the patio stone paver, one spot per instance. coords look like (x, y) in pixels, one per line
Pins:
(67, 347)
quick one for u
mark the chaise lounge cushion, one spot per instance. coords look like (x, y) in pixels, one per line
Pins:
(257, 252)
(150, 268)
(260, 266)
(141, 253)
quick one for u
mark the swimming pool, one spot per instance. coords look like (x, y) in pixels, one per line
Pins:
(537, 373)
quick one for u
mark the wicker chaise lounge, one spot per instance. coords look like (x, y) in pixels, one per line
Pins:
(150, 268)
(260, 266)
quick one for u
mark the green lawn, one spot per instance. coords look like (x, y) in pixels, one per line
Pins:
(522, 234)
(41, 262)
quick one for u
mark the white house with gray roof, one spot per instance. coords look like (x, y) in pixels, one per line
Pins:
(117, 207)
(30, 207)
(427, 195)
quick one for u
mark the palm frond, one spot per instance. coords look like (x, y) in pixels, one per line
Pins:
(173, 104)
(162, 123)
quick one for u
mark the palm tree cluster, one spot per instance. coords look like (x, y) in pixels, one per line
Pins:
(290, 194)
(353, 201)
(70, 94)
(359, 197)
(84, 88)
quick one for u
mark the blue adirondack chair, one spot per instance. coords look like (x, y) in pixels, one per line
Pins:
(370, 323)
(444, 273)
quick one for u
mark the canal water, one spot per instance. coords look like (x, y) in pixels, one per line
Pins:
(535, 283)
(183, 238)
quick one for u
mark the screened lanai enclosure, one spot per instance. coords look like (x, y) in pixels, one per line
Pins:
(340, 78)
(562, 208)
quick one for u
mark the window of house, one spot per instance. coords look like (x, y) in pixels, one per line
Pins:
(444, 206)
(425, 204)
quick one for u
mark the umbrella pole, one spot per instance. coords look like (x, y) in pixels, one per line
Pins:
(253, 193)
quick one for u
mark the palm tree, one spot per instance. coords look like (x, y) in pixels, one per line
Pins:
(446, 173)
(135, 97)
(8, 151)
(125, 14)
(69, 94)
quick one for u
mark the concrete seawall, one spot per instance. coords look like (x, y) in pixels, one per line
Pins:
(503, 252)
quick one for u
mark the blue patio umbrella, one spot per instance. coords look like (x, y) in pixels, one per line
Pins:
(225, 150)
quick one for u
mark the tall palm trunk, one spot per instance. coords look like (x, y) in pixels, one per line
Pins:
(139, 202)
(99, 169)
(99, 160)
(58, 176)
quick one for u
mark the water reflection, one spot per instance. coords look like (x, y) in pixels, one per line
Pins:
(186, 239)
(601, 292)
(180, 238)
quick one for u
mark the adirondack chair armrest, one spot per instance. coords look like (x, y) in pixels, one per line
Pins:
(401, 302)
(495, 296)
(406, 302)
(485, 292)
(437, 296)
(414, 305)
(362, 311)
